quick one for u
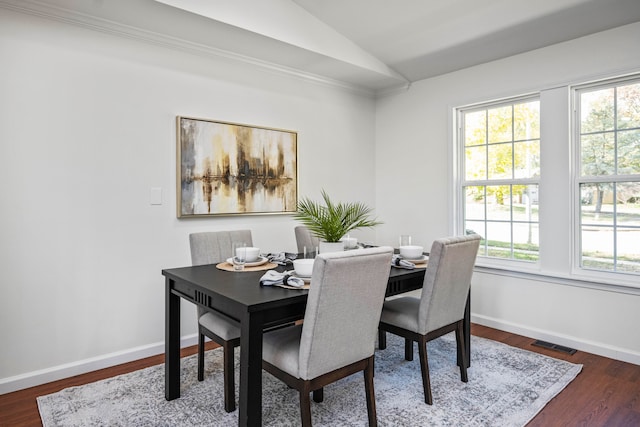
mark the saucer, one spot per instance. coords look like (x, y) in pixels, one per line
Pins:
(261, 260)
(420, 260)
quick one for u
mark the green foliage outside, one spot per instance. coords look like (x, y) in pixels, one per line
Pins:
(610, 146)
(503, 143)
(610, 141)
(521, 251)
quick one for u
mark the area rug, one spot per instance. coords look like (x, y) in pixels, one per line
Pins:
(507, 386)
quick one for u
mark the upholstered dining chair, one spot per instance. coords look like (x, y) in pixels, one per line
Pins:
(210, 248)
(440, 309)
(337, 336)
(304, 238)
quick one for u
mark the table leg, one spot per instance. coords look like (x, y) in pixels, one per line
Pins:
(171, 343)
(466, 330)
(250, 400)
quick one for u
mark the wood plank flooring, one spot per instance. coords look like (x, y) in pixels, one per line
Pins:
(605, 394)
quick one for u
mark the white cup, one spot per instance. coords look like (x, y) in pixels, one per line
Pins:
(251, 253)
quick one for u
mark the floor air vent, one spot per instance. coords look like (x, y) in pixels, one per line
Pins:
(553, 346)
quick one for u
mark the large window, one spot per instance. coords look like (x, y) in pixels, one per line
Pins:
(500, 176)
(552, 182)
(608, 175)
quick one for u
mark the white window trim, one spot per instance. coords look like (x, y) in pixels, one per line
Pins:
(562, 132)
(459, 180)
(577, 272)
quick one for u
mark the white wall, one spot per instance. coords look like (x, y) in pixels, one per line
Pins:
(414, 132)
(87, 128)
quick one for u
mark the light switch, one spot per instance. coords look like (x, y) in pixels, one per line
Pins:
(156, 196)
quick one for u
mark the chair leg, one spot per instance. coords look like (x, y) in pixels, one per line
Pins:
(305, 407)
(424, 368)
(370, 393)
(229, 381)
(462, 354)
(382, 339)
(373, 365)
(318, 395)
(201, 357)
(408, 349)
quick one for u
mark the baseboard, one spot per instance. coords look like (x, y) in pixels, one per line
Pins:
(600, 349)
(35, 378)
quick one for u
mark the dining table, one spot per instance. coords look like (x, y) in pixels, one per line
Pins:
(239, 295)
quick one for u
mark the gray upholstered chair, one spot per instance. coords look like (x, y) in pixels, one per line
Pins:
(211, 248)
(305, 238)
(440, 309)
(337, 337)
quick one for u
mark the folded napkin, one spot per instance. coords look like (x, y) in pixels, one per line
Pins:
(282, 258)
(285, 280)
(397, 261)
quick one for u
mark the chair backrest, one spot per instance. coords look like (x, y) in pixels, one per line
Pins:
(216, 246)
(305, 238)
(343, 309)
(447, 281)
(211, 247)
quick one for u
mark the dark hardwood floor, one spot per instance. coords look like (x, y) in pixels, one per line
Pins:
(605, 393)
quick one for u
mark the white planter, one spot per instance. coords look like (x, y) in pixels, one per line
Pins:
(326, 247)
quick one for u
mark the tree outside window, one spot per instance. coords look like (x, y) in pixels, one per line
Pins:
(501, 171)
(609, 179)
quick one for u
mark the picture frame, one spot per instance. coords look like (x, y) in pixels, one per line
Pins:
(235, 169)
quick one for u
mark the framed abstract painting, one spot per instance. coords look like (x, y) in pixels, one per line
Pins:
(232, 169)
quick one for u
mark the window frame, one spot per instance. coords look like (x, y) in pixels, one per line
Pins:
(577, 270)
(557, 215)
(461, 181)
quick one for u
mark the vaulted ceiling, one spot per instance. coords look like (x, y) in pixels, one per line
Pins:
(373, 45)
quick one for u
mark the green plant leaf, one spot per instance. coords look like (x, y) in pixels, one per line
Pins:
(331, 221)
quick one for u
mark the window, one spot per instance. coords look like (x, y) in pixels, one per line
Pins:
(608, 176)
(588, 182)
(500, 176)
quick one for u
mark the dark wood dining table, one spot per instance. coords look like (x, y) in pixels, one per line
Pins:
(240, 296)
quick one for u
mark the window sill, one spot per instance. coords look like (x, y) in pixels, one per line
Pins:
(555, 278)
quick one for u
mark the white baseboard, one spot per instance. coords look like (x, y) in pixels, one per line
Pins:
(600, 349)
(43, 376)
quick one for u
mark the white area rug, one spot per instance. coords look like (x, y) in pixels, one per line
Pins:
(507, 387)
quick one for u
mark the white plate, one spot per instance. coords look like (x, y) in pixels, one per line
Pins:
(420, 260)
(261, 260)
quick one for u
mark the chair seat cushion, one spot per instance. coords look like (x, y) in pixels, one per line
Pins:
(281, 348)
(402, 312)
(221, 325)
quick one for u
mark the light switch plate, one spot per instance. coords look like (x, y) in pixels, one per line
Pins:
(155, 196)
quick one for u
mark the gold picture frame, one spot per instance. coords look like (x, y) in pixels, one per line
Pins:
(235, 169)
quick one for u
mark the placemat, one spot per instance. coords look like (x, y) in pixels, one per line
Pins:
(306, 286)
(228, 267)
(422, 263)
(416, 266)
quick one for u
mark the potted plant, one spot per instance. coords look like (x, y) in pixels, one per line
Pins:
(331, 221)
